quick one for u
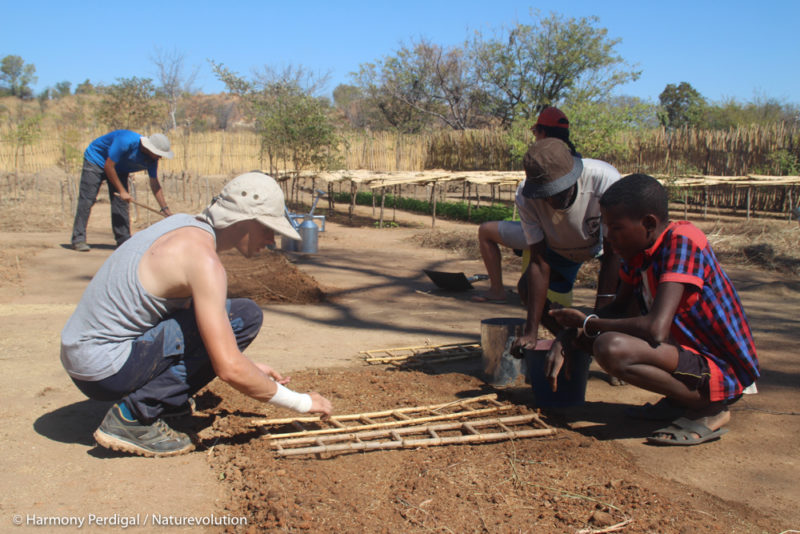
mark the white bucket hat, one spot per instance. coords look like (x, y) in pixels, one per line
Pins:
(158, 144)
(252, 195)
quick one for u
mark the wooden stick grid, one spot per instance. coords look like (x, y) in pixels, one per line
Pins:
(411, 356)
(417, 426)
(448, 433)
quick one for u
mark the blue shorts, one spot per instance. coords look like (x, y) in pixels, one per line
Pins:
(563, 272)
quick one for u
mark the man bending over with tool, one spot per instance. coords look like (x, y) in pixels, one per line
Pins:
(111, 158)
(154, 325)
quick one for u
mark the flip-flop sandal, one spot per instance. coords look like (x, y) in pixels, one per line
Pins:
(663, 410)
(683, 432)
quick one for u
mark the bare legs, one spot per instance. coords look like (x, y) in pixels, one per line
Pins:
(637, 362)
(489, 241)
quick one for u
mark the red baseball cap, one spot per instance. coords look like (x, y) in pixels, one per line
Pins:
(552, 117)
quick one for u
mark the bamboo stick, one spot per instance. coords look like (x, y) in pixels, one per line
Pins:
(390, 424)
(491, 397)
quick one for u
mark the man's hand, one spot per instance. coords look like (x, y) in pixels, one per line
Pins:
(124, 195)
(522, 343)
(553, 363)
(320, 404)
(569, 317)
(272, 373)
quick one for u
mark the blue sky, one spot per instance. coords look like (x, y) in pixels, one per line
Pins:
(725, 49)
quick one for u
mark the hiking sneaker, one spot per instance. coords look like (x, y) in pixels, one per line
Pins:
(187, 408)
(81, 247)
(155, 439)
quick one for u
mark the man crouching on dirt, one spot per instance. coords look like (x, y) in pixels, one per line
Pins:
(691, 342)
(154, 325)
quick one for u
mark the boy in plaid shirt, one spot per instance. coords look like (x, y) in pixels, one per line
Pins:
(691, 342)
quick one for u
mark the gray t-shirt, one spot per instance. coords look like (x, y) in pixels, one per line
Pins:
(115, 309)
(575, 232)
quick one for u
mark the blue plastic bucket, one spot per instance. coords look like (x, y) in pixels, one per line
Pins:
(570, 392)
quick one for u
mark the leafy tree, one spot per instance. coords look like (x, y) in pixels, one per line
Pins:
(16, 77)
(597, 127)
(546, 62)
(63, 89)
(350, 100)
(293, 123)
(85, 88)
(384, 110)
(681, 105)
(431, 80)
(761, 110)
(175, 82)
(130, 103)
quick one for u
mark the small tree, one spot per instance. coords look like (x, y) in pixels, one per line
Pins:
(175, 82)
(294, 125)
(130, 103)
(16, 77)
(681, 105)
(63, 89)
(85, 88)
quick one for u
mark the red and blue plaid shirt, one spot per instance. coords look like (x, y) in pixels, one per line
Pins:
(709, 320)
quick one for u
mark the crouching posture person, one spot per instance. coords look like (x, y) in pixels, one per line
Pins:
(692, 342)
(154, 325)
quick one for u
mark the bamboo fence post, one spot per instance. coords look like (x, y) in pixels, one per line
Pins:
(433, 205)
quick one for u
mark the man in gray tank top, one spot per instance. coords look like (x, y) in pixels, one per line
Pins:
(155, 326)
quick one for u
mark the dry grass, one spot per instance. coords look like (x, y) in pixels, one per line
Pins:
(765, 244)
(769, 245)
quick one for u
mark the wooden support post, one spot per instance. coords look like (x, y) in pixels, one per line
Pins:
(383, 200)
(749, 192)
(685, 203)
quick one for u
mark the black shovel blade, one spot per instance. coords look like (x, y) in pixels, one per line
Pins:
(449, 281)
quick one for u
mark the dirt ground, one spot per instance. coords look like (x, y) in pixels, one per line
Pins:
(596, 474)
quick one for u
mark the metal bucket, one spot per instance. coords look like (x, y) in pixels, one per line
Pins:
(500, 368)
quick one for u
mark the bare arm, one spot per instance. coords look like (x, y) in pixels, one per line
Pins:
(653, 327)
(206, 281)
(158, 192)
(608, 278)
(110, 168)
(538, 280)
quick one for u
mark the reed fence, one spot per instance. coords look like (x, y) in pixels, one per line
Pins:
(683, 152)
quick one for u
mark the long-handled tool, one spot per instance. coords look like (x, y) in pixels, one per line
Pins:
(145, 206)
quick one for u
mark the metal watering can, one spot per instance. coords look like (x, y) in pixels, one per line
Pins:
(308, 229)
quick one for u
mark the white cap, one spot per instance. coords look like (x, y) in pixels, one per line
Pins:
(252, 195)
(158, 144)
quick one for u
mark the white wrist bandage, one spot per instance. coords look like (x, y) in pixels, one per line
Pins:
(286, 398)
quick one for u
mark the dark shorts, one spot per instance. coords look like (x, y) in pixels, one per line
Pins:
(692, 370)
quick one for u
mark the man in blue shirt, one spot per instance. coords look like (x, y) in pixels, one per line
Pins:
(113, 157)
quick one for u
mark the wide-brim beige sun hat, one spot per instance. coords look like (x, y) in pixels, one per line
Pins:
(550, 168)
(158, 144)
(249, 196)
